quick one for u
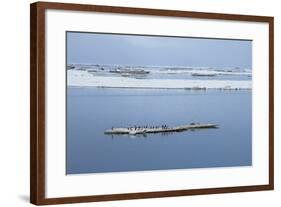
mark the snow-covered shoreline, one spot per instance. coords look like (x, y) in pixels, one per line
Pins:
(203, 72)
(83, 78)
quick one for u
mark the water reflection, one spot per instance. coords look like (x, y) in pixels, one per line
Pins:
(151, 135)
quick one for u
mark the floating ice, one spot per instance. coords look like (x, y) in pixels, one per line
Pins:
(84, 78)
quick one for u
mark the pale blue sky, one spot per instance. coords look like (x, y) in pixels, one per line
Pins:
(154, 50)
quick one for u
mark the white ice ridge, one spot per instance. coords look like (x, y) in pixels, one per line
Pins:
(203, 72)
(83, 78)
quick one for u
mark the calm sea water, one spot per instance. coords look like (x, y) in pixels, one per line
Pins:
(90, 111)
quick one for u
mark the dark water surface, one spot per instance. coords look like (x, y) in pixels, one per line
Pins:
(90, 111)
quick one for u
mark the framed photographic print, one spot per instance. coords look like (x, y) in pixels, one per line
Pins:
(130, 103)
